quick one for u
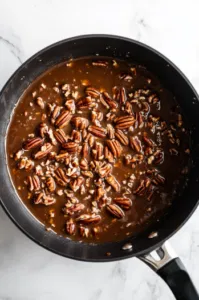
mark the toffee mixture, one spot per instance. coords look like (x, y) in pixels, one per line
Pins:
(97, 148)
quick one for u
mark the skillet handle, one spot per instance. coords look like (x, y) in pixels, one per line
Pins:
(171, 269)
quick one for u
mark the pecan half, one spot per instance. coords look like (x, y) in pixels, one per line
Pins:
(55, 113)
(97, 131)
(85, 150)
(71, 147)
(50, 184)
(125, 203)
(136, 144)
(70, 227)
(39, 198)
(63, 156)
(76, 136)
(128, 108)
(147, 140)
(115, 210)
(70, 104)
(63, 119)
(45, 149)
(61, 177)
(76, 183)
(104, 171)
(124, 122)
(107, 101)
(34, 183)
(33, 143)
(115, 147)
(97, 151)
(121, 95)
(96, 117)
(87, 219)
(79, 122)
(93, 92)
(48, 200)
(84, 232)
(121, 136)
(113, 182)
(83, 164)
(85, 103)
(108, 155)
(60, 136)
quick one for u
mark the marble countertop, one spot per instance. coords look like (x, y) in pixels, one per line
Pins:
(27, 271)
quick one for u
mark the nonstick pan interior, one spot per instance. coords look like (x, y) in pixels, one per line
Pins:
(172, 79)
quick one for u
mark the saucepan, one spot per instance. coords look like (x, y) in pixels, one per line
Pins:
(153, 251)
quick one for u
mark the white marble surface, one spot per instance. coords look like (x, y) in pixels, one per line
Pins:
(28, 272)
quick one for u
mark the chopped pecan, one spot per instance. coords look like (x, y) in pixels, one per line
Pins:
(107, 101)
(97, 131)
(113, 182)
(87, 174)
(93, 92)
(34, 183)
(97, 151)
(125, 203)
(48, 200)
(52, 137)
(83, 164)
(121, 136)
(19, 154)
(115, 210)
(63, 156)
(125, 77)
(128, 108)
(96, 117)
(26, 164)
(90, 139)
(40, 102)
(100, 192)
(70, 104)
(45, 149)
(158, 157)
(39, 198)
(50, 184)
(108, 155)
(136, 144)
(105, 170)
(33, 143)
(152, 99)
(71, 147)
(110, 131)
(84, 232)
(115, 147)
(87, 219)
(124, 122)
(61, 177)
(70, 227)
(79, 122)
(76, 183)
(71, 208)
(60, 136)
(147, 140)
(43, 129)
(63, 119)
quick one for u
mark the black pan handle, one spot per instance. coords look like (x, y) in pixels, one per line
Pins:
(171, 269)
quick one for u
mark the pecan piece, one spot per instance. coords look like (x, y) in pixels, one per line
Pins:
(71, 147)
(76, 136)
(85, 103)
(115, 147)
(85, 150)
(87, 219)
(110, 131)
(55, 113)
(63, 156)
(39, 198)
(115, 210)
(128, 108)
(70, 208)
(48, 200)
(104, 171)
(93, 92)
(113, 182)
(97, 151)
(125, 203)
(40, 102)
(76, 183)
(124, 122)
(121, 95)
(79, 122)
(70, 227)
(70, 104)
(136, 144)
(83, 164)
(34, 183)
(97, 131)
(108, 155)
(107, 101)
(121, 136)
(100, 63)
(158, 157)
(33, 143)
(50, 184)
(61, 177)
(147, 140)
(84, 232)
(100, 192)
(60, 136)
(96, 117)
(45, 149)
(18, 154)
(63, 119)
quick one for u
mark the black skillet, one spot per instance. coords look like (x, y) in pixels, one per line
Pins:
(168, 266)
